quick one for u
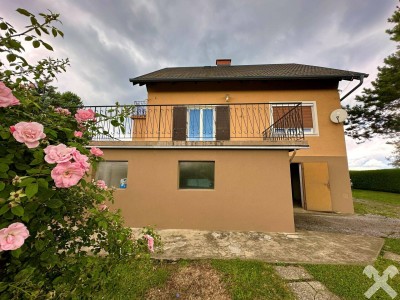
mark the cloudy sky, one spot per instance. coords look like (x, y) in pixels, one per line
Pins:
(109, 42)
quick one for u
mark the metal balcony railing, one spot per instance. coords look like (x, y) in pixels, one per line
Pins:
(205, 122)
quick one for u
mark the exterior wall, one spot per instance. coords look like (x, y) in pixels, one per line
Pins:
(327, 145)
(242, 198)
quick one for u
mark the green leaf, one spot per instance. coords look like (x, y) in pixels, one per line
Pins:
(22, 167)
(54, 31)
(11, 57)
(17, 211)
(26, 181)
(5, 208)
(35, 44)
(54, 203)
(3, 26)
(4, 167)
(47, 46)
(16, 253)
(39, 245)
(5, 134)
(28, 38)
(3, 286)
(2, 185)
(24, 12)
(36, 161)
(24, 274)
(43, 183)
(31, 189)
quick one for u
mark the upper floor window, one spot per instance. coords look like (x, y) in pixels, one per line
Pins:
(201, 123)
(308, 117)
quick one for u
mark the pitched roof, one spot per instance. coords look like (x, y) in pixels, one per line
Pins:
(246, 72)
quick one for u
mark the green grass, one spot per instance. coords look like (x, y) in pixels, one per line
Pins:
(133, 278)
(251, 280)
(377, 203)
(382, 197)
(349, 282)
(392, 245)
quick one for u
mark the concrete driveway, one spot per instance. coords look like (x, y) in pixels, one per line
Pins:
(368, 225)
(301, 247)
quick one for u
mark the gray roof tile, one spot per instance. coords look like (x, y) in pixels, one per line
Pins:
(246, 72)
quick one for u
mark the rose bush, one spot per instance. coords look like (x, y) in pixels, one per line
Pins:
(53, 219)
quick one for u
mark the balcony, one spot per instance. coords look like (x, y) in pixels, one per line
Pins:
(243, 124)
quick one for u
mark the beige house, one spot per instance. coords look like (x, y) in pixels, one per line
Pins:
(230, 147)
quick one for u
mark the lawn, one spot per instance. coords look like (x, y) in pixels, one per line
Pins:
(242, 279)
(205, 279)
(376, 203)
(349, 282)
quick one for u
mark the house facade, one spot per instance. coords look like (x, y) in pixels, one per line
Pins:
(230, 147)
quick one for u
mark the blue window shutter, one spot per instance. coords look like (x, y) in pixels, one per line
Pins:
(194, 124)
(208, 124)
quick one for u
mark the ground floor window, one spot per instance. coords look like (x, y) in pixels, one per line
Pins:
(196, 174)
(114, 173)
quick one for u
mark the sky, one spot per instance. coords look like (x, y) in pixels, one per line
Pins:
(110, 41)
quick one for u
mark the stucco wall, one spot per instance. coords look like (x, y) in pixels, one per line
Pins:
(252, 190)
(328, 142)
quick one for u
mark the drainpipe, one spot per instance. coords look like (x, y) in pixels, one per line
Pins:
(356, 87)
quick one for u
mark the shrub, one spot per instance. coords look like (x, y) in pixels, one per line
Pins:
(387, 180)
(53, 219)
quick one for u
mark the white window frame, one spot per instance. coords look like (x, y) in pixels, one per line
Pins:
(201, 108)
(307, 131)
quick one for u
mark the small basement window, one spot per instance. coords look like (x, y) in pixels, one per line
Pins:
(114, 173)
(196, 174)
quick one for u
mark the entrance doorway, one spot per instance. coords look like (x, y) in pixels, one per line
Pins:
(297, 185)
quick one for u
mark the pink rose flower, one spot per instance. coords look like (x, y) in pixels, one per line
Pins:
(58, 154)
(29, 133)
(67, 174)
(96, 151)
(13, 237)
(6, 96)
(62, 111)
(102, 207)
(12, 129)
(78, 134)
(101, 184)
(83, 115)
(81, 159)
(150, 242)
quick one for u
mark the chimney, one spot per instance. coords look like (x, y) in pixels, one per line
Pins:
(223, 62)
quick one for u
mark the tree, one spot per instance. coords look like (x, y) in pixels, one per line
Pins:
(379, 110)
(395, 159)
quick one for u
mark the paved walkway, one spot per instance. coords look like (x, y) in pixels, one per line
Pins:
(369, 225)
(300, 247)
(303, 284)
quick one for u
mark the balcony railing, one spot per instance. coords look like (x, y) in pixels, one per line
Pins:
(205, 122)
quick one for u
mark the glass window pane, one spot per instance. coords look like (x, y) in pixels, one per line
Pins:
(196, 174)
(114, 173)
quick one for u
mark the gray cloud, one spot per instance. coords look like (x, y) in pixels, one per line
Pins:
(109, 42)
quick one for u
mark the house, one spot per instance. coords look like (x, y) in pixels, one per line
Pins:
(232, 147)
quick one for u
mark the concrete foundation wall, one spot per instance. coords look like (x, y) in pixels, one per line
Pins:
(252, 190)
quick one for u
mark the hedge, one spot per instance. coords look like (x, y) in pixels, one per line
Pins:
(387, 180)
